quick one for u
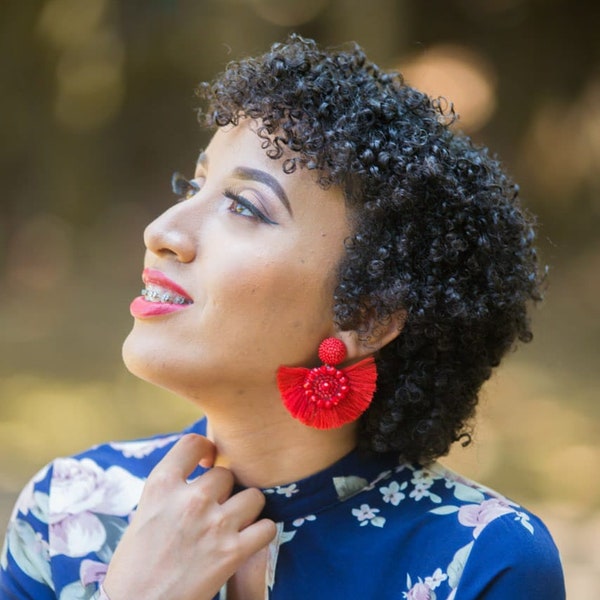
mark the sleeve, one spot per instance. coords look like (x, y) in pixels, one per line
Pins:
(25, 572)
(513, 557)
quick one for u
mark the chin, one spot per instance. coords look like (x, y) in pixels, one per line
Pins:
(135, 359)
(144, 360)
(147, 359)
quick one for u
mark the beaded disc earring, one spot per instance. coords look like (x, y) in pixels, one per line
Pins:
(327, 397)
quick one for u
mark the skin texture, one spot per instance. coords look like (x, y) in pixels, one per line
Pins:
(262, 293)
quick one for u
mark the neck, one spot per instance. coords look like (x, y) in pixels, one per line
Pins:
(264, 450)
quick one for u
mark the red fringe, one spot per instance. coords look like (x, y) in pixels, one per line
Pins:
(361, 376)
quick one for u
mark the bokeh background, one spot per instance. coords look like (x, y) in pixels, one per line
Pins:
(97, 110)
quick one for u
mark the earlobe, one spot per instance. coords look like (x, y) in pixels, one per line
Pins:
(377, 334)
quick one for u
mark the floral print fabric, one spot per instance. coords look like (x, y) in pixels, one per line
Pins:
(366, 527)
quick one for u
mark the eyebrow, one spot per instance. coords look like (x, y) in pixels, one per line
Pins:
(248, 174)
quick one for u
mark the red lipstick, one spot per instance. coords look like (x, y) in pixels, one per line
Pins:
(161, 296)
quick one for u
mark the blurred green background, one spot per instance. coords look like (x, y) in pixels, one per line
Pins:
(97, 110)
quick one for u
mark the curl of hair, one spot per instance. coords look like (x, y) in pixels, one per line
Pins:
(439, 234)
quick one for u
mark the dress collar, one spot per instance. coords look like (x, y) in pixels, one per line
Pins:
(347, 477)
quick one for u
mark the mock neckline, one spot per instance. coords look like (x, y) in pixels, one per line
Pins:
(308, 496)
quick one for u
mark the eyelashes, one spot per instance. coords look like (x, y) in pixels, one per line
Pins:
(186, 189)
(183, 187)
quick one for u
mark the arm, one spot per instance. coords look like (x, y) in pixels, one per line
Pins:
(25, 572)
(509, 560)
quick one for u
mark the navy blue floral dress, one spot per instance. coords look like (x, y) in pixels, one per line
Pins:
(364, 528)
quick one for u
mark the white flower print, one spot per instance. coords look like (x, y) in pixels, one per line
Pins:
(422, 491)
(424, 477)
(142, 448)
(523, 518)
(436, 579)
(393, 492)
(285, 490)
(299, 522)
(365, 515)
(288, 490)
(377, 479)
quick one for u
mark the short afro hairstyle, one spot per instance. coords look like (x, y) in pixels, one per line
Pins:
(439, 234)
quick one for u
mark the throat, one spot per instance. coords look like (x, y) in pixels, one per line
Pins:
(266, 456)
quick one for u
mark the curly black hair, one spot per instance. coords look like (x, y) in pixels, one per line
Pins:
(439, 233)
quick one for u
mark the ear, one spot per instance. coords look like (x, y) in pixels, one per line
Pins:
(370, 338)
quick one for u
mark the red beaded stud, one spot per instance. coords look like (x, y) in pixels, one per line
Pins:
(332, 351)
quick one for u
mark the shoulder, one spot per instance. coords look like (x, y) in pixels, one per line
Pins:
(118, 462)
(479, 544)
(511, 552)
(77, 507)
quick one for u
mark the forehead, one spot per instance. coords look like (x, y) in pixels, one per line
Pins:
(244, 145)
(238, 153)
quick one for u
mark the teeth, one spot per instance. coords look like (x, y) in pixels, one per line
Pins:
(156, 293)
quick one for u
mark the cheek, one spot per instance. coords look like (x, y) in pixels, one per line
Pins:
(277, 292)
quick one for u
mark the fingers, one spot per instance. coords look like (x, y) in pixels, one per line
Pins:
(240, 510)
(185, 456)
(245, 506)
(257, 536)
(216, 484)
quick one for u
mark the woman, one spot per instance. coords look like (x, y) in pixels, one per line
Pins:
(335, 223)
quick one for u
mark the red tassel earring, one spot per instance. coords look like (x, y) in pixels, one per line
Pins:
(326, 397)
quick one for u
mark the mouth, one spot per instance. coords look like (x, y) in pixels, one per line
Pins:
(159, 288)
(160, 296)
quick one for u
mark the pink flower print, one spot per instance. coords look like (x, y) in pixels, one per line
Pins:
(479, 515)
(92, 571)
(420, 591)
(392, 493)
(81, 489)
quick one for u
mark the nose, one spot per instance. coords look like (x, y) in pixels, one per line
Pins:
(170, 235)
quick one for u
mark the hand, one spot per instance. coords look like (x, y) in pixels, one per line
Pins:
(187, 539)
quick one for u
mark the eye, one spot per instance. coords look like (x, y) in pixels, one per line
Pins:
(183, 187)
(243, 207)
(240, 209)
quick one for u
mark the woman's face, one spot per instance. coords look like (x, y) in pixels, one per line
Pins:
(250, 258)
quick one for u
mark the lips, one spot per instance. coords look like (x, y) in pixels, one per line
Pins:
(160, 296)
